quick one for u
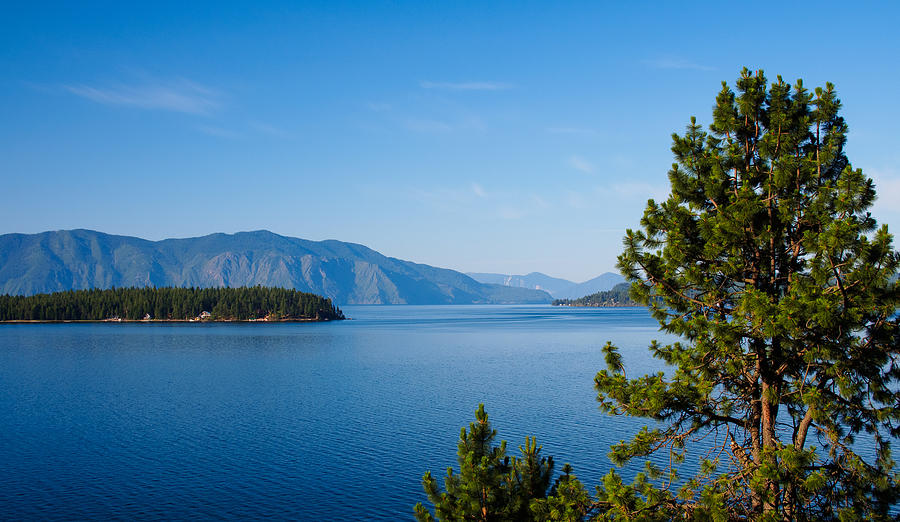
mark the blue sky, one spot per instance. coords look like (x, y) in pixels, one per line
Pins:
(495, 137)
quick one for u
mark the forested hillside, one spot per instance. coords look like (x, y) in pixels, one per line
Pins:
(618, 296)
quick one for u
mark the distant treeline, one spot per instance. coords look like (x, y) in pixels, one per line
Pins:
(617, 296)
(169, 304)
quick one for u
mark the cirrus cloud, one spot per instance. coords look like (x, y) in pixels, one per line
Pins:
(180, 95)
(466, 86)
(579, 163)
(674, 63)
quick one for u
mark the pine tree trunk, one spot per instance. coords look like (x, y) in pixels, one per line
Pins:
(768, 443)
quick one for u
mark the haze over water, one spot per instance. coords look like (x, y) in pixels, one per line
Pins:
(314, 421)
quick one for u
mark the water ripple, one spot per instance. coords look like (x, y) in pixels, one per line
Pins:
(300, 421)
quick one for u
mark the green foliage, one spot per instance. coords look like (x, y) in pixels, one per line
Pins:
(569, 500)
(765, 259)
(491, 486)
(616, 296)
(168, 303)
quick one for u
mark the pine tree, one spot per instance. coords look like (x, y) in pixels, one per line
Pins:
(489, 486)
(766, 261)
(530, 477)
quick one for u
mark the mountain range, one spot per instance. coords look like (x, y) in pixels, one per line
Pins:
(558, 288)
(348, 273)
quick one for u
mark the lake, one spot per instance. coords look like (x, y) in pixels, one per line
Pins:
(313, 421)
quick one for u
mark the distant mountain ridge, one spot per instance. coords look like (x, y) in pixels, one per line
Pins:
(348, 273)
(558, 288)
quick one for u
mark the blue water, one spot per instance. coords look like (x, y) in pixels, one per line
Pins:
(311, 421)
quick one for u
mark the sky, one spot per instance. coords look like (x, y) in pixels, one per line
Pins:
(505, 137)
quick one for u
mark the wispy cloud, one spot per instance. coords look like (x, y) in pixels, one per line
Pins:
(270, 130)
(579, 163)
(573, 130)
(638, 190)
(218, 132)
(178, 96)
(575, 200)
(431, 126)
(507, 203)
(677, 63)
(539, 201)
(447, 199)
(426, 125)
(466, 86)
(632, 194)
(510, 213)
(378, 106)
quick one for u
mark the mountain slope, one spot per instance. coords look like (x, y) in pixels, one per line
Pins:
(348, 273)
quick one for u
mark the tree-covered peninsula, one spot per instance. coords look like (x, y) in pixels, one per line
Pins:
(616, 296)
(170, 304)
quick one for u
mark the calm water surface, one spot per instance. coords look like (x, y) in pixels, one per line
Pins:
(311, 421)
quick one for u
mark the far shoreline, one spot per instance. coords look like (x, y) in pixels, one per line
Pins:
(602, 306)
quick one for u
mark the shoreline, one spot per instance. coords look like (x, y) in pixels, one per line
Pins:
(148, 321)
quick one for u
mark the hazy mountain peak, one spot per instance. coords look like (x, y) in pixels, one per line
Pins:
(557, 287)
